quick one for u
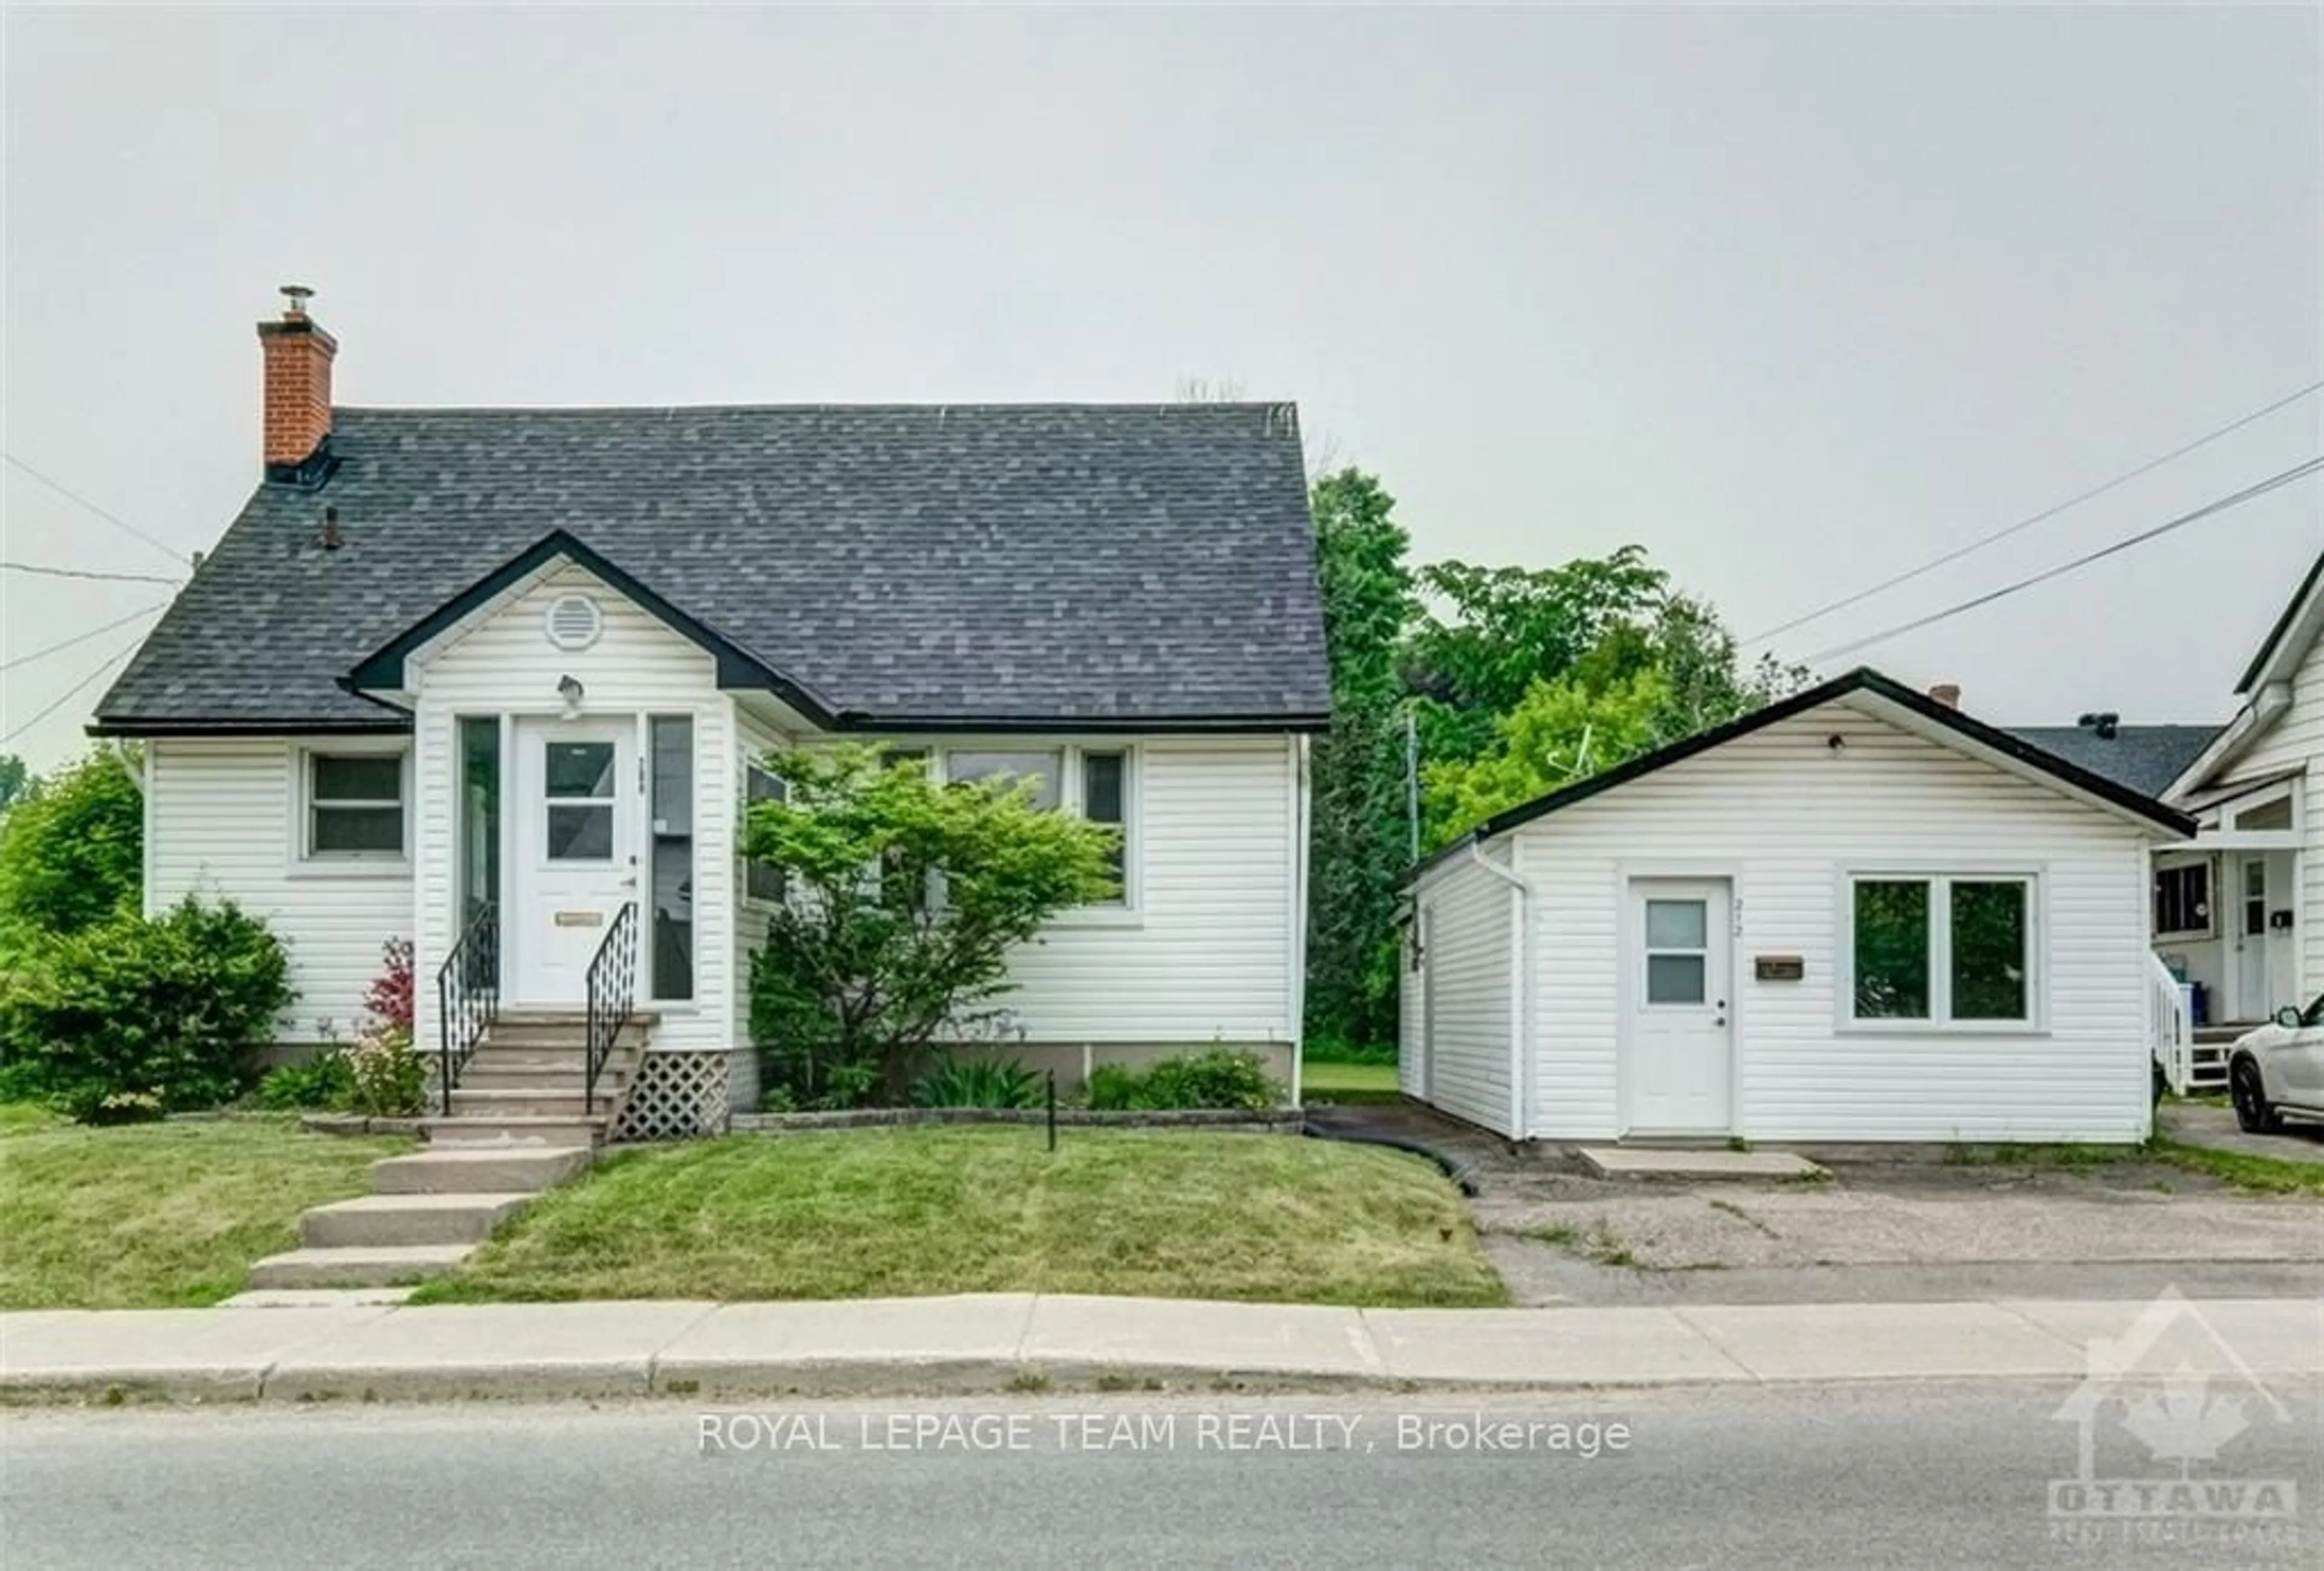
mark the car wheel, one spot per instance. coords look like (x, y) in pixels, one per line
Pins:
(2249, 1093)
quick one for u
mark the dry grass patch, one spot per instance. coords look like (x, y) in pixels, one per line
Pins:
(905, 1212)
(160, 1215)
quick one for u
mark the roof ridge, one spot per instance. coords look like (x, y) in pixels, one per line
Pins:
(931, 406)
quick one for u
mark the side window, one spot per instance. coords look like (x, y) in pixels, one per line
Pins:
(354, 805)
(761, 881)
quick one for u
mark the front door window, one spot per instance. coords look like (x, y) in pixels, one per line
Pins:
(579, 801)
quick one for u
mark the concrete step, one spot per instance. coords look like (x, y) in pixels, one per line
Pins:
(394, 1221)
(513, 1131)
(575, 1016)
(357, 1267)
(565, 1079)
(552, 1039)
(317, 1298)
(469, 1103)
(574, 1059)
(488, 1170)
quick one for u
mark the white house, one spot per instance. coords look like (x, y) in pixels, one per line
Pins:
(1857, 914)
(496, 681)
(2241, 907)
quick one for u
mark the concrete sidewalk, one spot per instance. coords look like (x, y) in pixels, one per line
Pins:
(1018, 1341)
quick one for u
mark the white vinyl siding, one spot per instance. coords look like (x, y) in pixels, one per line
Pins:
(224, 822)
(502, 662)
(1786, 816)
(1465, 983)
(2296, 740)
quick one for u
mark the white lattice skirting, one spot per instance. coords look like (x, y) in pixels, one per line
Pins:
(677, 1095)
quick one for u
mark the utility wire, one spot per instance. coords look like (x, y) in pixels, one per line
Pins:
(2209, 509)
(87, 573)
(66, 697)
(2024, 524)
(77, 638)
(74, 496)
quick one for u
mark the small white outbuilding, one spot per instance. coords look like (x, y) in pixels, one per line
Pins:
(1857, 914)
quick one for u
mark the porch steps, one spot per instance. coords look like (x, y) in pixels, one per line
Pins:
(372, 1267)
(396, 1220)
(514, 1132)
(482, 1168)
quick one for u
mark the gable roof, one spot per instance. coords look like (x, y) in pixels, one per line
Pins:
(2145, 758)
(1862, 680)
(2305, 601)
(1148, 566)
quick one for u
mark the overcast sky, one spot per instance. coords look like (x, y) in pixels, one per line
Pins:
(1796, 299)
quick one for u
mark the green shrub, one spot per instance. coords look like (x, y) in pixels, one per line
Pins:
(1331, 1049)
(979, 1083)
(320, 1083)
(21, 1082)
(1115, 1088)
(72, 853)
(171, 1009)
(1218, 1079)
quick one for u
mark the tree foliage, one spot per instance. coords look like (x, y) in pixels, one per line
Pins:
(1560, 733)
(15, 777)
(904, 899)
(1359, 841)
(71, 854)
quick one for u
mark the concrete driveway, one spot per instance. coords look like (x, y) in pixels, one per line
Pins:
(1925, 1224)
(2205, 1124)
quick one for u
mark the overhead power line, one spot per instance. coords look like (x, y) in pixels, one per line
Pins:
(90, 573)
(2003, 533)
(77, 638)
(2209, 509)
(75, 497)
(65, 697)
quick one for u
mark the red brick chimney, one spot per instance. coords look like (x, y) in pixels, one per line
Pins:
(298, 355)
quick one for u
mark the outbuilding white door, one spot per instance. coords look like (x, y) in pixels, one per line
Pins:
(1677, 1040)
(576, 852)
(2253, 1001)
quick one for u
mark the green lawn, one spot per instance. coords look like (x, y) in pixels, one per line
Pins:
(1349, 1082)
(157, 1216)
(902, 1212)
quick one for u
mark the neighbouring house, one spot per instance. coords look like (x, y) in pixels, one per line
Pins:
(2241, 908)
(500, 680)
(1857, 914)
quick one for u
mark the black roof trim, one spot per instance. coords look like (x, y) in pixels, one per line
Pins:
(737, 666)
(2275, 635)
(390, 725)
(1863, 679)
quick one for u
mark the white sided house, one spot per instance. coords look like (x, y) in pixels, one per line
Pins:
(2240, 909)
(499, 681)
(1857, 914)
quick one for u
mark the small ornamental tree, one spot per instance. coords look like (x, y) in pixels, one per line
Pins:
(70, 851)
(902, 900)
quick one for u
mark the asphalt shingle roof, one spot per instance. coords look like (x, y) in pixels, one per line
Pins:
(2145, 758)
(1118, 563)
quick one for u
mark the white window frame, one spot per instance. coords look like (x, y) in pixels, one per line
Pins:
(308, 862)
(1128, 909)
(1939, 1021)
(2210, 928)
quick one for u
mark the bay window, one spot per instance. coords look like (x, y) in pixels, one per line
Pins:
(1943, 950)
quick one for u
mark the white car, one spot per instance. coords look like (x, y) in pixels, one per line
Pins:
(2278, 1070)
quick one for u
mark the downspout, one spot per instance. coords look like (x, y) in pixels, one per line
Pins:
(120, 752)
(1520, 1017)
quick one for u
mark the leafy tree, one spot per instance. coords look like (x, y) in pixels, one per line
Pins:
(905, 898)
(71, 854)
(15, 777)
(1499, 630)
(1560, 733)
(1361, 841)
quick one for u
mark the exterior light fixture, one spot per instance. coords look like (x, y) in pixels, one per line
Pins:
(569, 688)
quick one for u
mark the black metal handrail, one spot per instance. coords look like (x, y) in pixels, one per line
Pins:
(468, 995)
(613, 995)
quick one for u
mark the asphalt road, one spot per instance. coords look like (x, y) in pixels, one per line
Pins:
(1858, 1476)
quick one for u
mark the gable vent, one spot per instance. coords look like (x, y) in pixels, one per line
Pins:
(573, 621)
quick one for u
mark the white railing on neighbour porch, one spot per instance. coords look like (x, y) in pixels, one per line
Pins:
(2173, 1026)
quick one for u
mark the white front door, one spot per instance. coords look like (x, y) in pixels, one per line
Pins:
(1676, 1034)
(2252, 997)
(576, 852)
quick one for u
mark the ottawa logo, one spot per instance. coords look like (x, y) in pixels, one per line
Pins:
(2172, 1390)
